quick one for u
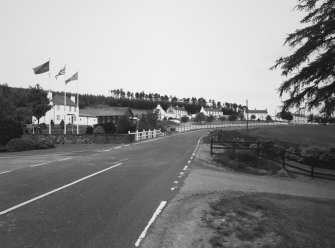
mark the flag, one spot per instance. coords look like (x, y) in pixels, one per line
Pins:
(42, 68)
(74, 77)
(61, 72)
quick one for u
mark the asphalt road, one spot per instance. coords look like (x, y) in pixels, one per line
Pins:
(89, 195)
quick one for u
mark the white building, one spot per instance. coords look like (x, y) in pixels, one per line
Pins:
(211, 111)
(259, 114)
(175, 112)
(160, 112)
(57, 112)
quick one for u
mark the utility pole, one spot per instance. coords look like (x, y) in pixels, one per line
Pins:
(247, 117)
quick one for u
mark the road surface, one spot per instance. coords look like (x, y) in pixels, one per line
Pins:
(89, 195)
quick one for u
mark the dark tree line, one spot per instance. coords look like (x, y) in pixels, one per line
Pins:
(19, 105)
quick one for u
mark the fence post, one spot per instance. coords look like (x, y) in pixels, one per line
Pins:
(284, 159)
(211, 146)
(136, 137)
(258, 151)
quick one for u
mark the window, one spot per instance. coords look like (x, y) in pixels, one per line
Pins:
(58, 117)
(58, 107)
(74, 118)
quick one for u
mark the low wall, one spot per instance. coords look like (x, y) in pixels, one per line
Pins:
(83, 138)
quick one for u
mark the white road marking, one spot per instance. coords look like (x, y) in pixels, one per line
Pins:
(173, 188)
(189, 162)
(185, 168)
(4, 172)
(39, 164)
(155, 215)
(64, 159)
(55, 190)
(175, 182)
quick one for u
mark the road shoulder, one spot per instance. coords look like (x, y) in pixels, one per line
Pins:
(181, 223)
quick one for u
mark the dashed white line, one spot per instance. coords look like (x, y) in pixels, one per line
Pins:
(189, 162)
(4, 172)
(55, 190)
(185, 168)
(173, 188)
(175, 182)
(155, 215)
(39, 164)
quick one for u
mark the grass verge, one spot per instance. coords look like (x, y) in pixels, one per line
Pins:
(271, 221)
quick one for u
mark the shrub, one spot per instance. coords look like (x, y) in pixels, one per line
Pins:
(19, 144)
(108, 127)
(89, 130)
(184, 119)
(99, 130)
(43, 126)
(61, 124)
(10, 129)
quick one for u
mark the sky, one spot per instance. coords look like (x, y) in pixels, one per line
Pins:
(216, 49)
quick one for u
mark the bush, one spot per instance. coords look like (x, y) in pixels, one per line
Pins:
(184, 119)
(19, 144)
(10, 129)
(108, 127)
(99, 130)
(61, 124)
(89, 130)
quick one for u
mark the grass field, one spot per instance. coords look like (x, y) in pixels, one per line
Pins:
(270, 220)
(304, 135)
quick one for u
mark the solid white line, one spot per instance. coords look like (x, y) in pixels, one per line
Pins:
(5, 172)
(157, 212)
(55, 190)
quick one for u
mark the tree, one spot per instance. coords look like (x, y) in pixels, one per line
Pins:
(311, 66)
(268, 118)
(210, 118)
(252, 117)
(39, 101)
(200, 117)
(232, 117)
(286, 115)
(7, 107)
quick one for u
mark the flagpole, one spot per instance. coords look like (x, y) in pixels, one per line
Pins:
(50, 100)
(65, 103)
(77, 105)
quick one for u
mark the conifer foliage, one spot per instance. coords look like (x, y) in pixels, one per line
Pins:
(311, 67)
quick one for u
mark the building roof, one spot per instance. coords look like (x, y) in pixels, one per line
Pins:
(178, 108)
(59, 100)
(140, 112)
(250, 111)
(107, 111)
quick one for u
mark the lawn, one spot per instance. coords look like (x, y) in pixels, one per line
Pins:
(303, 135)
(270, 220)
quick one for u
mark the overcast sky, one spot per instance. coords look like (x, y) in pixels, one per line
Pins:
(216, 49)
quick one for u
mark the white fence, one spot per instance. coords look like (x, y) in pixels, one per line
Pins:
(229, 124)
(147, 134)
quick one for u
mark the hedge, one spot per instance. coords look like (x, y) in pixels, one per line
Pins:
(10, 129)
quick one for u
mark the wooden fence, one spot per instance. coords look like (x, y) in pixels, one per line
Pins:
(290, 161)
(150, 134)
